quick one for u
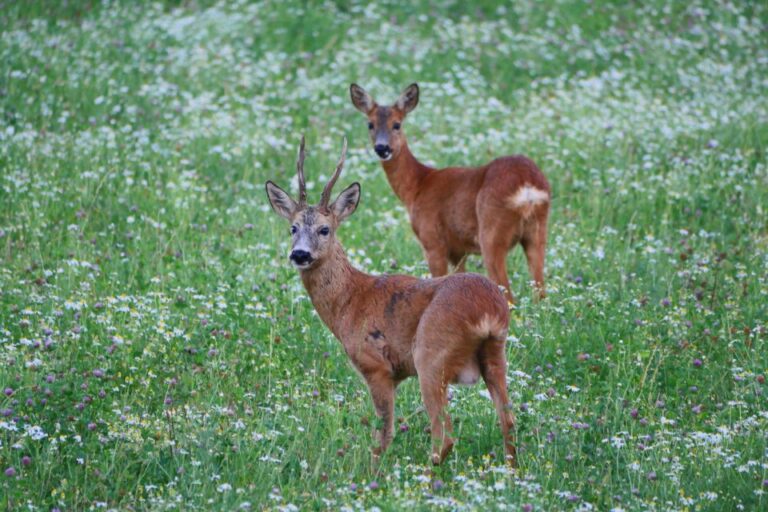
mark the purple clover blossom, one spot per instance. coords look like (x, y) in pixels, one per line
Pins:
(10, 472)
(698, 363)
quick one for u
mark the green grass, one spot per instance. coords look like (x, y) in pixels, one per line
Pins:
(159, 352)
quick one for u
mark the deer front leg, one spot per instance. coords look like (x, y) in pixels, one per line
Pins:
(382, 389)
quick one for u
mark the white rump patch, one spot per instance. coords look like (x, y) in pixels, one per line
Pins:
(489, 326)
(528, 196)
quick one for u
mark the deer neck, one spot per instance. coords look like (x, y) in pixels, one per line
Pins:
(331, 285)
(405, 174)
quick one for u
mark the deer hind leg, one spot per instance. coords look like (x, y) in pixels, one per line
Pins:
(496, 238)
(382, 389)
(438, 346)
(437, 260)
(535, 246)
(434, 392)
(493, 368)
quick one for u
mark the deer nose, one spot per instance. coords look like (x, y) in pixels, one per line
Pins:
(383, 150)
(300, 257)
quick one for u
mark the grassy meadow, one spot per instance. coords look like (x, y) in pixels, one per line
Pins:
(158, 352)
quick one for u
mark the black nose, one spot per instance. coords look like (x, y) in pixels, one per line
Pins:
(300, 257)
(382, 150)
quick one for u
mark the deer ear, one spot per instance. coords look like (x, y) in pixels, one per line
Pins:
(281, 202)
(346, 204)
(361, 99)
(408, 99)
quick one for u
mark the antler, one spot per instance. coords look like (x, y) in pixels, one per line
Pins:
(300, 172)
(326, 197)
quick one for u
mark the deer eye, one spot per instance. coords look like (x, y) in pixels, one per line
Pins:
(396, 126)
(294, 229)
(324, 231)
(370, 126)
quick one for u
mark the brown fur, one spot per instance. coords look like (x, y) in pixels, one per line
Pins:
(392, 327)
(461, 210)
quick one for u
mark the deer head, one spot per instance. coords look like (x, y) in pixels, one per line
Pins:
(385, 123)
(313, 228)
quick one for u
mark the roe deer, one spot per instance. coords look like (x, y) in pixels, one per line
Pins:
(460, 210)
(445, 330)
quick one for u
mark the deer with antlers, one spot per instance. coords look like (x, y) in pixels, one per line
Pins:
(460, 210)
(451, 329)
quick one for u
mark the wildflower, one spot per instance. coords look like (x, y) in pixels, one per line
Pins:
(698, 363)
(26, 460)
(8, 391)
(373, 485)
(10, 472)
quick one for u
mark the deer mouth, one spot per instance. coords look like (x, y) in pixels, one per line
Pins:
(384, 154)
(301, 259)
(304, 265)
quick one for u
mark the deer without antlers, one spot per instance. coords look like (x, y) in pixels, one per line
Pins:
(460, 210)
(445, 330)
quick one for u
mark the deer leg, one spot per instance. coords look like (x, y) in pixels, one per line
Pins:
(435, 396)
(493, 368)
(382, 389)
(498, 234)
(495, 259)
(535, 247)
(437, 260)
